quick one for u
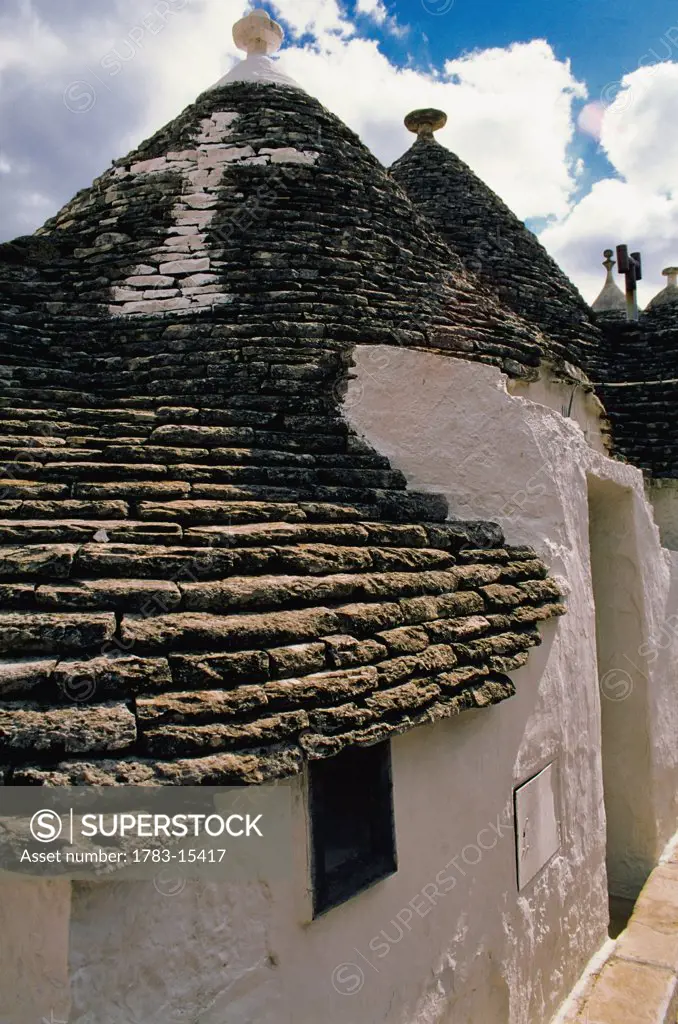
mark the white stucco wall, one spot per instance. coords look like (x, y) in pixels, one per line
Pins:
(447, 939)
(626, 731)
(34, 974)
(571, 400)
(664, 497)
(200, 953)
(516, 459)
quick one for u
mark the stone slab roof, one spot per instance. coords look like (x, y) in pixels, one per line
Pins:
(636, 378)
(197, 594)
(205, 576)
(259, 203)
(491, 242)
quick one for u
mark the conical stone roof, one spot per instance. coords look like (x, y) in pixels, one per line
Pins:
(637, 380)
(257, 203)
(205, 575)
(668, 296)
(496, 246)
(611, 298)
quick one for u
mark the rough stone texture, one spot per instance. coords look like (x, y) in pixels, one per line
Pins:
(266, 567)
(636, 376)
(638, 980)
(184, 506)
(329, 250)
(179, 487)
(31, 729)
(490, 242)
(258, 619)
(635, 992)
(633, 366)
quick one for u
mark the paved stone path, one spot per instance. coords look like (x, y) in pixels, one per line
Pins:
(638, 982)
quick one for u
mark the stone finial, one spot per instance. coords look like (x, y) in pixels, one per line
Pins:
(258, 33)
(611, 299)
(259, 36)
(426, 121)
(668, 294)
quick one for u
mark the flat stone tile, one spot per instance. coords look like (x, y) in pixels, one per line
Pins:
(642, 942)
(630, 993)
(657, 905)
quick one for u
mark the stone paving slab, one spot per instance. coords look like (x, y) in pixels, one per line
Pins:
(638, 982)
(627, 992)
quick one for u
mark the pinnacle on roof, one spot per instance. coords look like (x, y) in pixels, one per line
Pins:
(259, 36)
(487, 238)
(611, 298)
(669, 294)
(425, 122)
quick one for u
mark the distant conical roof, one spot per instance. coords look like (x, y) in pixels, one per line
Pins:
(493, 243)
(611, 298)
(668, 296)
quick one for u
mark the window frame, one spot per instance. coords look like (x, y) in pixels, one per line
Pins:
(330, 889)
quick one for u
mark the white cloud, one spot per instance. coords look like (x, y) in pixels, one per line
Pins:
(510, 111)
(377, 12)
(614, 212)
(32, 206)
(512, 121)
(640, 208)
(26, 42)
(314, 17)
(639, 132)
(373, 9)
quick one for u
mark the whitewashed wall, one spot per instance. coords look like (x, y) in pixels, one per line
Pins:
(448, 939)
(34, 972)
(664, 497)
(517, 459)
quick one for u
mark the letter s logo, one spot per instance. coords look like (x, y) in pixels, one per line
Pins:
(46, 826)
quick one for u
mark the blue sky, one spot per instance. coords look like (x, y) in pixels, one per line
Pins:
(566, 108)
(602, 39)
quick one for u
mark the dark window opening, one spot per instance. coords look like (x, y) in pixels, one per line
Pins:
(352, 827)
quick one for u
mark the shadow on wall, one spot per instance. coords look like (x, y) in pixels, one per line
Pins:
(625, 721)
(663, 495)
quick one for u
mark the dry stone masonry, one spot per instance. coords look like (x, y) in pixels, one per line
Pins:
(188, 599)
(307, 228)
(206, 576)
(180, 275)
(491, 243)
(633, 367)
(636, 374)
